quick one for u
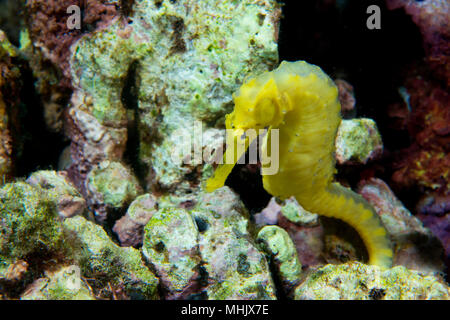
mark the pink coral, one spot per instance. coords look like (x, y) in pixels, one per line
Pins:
(426, 163)
(432, 17)
(47, 22)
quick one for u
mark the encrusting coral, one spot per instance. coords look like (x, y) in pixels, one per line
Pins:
(208, 251)
(357, 281)
(301, 101)
(9, 98)
(173, 63)
(141, 80)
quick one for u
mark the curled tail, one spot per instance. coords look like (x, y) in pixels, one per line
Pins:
(342, 203)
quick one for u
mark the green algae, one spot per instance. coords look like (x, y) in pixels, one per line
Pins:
(29, 222)
(101, 259)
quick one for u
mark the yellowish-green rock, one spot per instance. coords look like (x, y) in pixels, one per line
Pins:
(278, 245)
(358, 141)
(207, 252)
(64, 284)
(28, 222)
(356, 281)
(109, 266)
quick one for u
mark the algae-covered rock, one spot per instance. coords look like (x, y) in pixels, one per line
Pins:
(278, 245)
(112, 186)
(288, 210)
(28, 222)
(114, 271)
(208, 250)
(415, 246)
(225, 204)
(295, 213)
(130, 228)
(233, 262)
(10, 85)
(171, 247)
(62, 284)
(60, 190)
(358, 141)
(358, 281)
(303, 227)
(177, 62)
(231, 258)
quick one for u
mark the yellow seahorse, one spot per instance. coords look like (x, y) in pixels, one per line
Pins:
(301, 101)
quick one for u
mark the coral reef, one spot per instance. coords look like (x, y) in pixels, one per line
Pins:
(29, 223)
(34, 237)
(358, 141)
(47, 42)
(432, 19)
(415, 246)
(423, 167)
(281, 250)
(111, 187)
(426, 163)
(130, 228)
(113, 272)
(59, 190)
(206, 54)
(62, 284)
(356, 281)
(320, 241)
(9, 99)
(31, 235)
(208, 251)
(112, 132)
(47, 24)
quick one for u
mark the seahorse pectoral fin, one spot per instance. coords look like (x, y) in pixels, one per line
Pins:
(237, 145)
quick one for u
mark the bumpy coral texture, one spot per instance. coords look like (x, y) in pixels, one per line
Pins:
(9, 92)
(432, 17)
(426, 163)
(48, 26)
(174, 63)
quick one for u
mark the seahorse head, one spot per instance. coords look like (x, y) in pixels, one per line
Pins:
(258, 104)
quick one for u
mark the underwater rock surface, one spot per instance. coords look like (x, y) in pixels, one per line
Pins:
(356, 281)
(278, 245)
(358, 141)
(62, 284)
(111, 187)
(208, 252)
(160, 73)
(34, 236)
(124, 219)
(415, 246)
(61, 191)
(130, 228)
(9, 100)
(115, 272)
